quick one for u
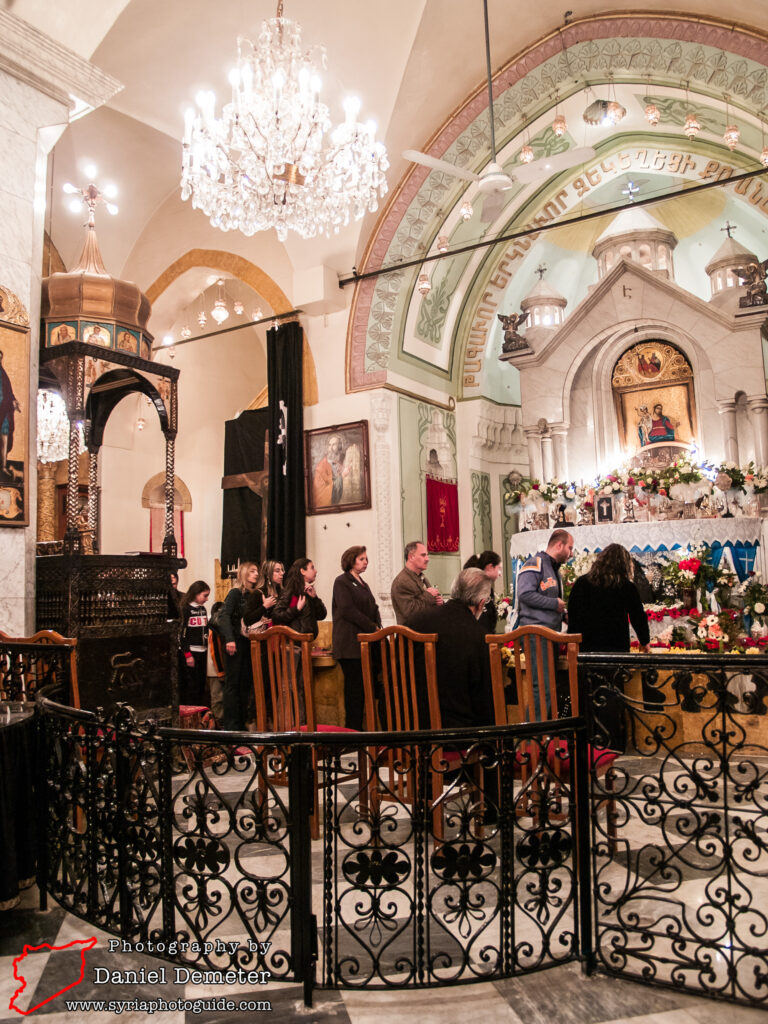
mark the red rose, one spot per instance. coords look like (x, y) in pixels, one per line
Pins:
(630, 481)
(662, 491)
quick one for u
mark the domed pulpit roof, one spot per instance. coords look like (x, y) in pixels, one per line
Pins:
(730, 254)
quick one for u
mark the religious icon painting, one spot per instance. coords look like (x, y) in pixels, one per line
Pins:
(336, 468)
(604, 509)
(127, 341)
(61, 333)
(98, 334)
(14, 410)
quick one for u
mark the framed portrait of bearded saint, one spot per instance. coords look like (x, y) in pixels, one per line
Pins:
(652, 386)
(14, 411)
(336, 468)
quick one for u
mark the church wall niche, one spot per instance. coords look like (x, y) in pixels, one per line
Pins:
(581, 437)
(745, 432)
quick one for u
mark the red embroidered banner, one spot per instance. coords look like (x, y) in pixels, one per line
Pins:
(442, 515)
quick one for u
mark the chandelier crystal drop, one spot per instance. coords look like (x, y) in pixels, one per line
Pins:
(652, 114)
(273, 158)
(692, 126)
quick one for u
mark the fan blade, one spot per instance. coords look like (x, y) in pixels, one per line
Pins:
(540, 170)
(439, 165)
(493, 204)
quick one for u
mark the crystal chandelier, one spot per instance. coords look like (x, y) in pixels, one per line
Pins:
(273, 159)
(53, 428)
(526, 154)
(652, 113)
(423, 284)
(559, 126)
(732, 134)
(466, 210)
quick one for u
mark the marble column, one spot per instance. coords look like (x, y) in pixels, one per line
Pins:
(560, 445)
(40, 80)
(547, 458)
(758, 413)
(727, 410)
(533, 437)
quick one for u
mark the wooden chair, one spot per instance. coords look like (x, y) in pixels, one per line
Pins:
(397, 651)
(536, 652)
(287, 656)
(27, 664)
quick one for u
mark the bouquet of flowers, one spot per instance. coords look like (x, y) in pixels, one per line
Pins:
(755, 595)
(756, 478)
(717, 632)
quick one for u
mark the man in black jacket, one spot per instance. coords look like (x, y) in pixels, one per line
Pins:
(463, 669)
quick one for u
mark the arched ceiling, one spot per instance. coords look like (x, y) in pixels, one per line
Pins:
(414, 64)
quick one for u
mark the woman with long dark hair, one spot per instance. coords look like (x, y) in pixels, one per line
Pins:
(238, 680)
(193, 644)
(298, 605)
(604, 601)
(490, 563)
(265, 595)
(354, 611)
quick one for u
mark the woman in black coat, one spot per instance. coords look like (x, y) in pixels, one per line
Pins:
(354, 611)
(604, 601)
(238, 680)
(490, 563)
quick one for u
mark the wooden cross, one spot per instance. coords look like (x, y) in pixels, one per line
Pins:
(729, 228)
(258, 482)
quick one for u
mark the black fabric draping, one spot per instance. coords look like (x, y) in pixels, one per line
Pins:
(286, 536)
(241, 529)
(18, 820)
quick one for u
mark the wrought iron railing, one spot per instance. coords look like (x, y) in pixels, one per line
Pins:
(680, 895)
(446, 857)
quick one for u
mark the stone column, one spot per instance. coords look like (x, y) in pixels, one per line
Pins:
(727, 410)
(547, 458)
(40, 82)
(758, 413)
(381, 407)
(46, 501)
(533, 437)
(560, 444)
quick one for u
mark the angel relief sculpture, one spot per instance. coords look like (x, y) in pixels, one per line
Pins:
(752, 276)
(511, 323)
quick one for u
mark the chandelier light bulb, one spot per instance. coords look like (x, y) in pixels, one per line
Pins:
(731, 136)
(220, 312)
(423, 283)
(273, 159)
(466, 210)
(615, 112)
(91, 171)
(692, 126)
(70, 189)
(652, 114)
(167, 339)
(75, 205)
(110, 191)
(526, 154)
(559, 126)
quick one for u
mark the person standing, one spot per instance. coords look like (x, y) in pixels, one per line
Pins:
(194, 644)
(411, 590)
(238, 680)
(605, 601)
(265, 595)
(299, 606)
(490, 563)
(354, 611)
(539, 589)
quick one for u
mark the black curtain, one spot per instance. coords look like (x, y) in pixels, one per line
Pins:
(243, 509)
(286, 536)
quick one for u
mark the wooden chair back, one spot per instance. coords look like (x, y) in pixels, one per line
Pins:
(27, 664)
(536, 650)
(408, 667)
(282, 665)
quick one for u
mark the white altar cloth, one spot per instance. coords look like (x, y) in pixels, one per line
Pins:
(651, 536)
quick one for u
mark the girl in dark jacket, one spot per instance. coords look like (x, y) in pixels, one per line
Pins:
(260, 601)
(238, 681)
(298, 605)
(354, 611)
(194, 644)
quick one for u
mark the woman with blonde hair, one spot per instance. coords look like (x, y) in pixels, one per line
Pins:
(238, 678)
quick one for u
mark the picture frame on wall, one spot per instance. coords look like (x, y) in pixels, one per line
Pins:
(336, 468)
(14, 411)
(604, 509)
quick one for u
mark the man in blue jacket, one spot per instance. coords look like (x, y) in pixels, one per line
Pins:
(539, 591)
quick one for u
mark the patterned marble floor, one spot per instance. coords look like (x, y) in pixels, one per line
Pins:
(560, 994)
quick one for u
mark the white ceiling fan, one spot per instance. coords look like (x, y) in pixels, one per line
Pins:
(493, 181)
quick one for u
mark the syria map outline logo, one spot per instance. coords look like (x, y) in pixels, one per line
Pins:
(84, 944)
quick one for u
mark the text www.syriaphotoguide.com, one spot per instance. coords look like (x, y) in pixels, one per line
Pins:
(164, 1005)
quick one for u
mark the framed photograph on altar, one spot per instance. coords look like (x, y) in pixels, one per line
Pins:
(604, 509)
(336, 468)
(14, 411)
